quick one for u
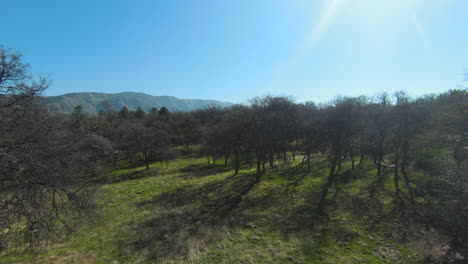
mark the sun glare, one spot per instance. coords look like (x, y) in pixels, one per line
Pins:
(378, 13)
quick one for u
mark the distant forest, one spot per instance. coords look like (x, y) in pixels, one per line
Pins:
(49, 163)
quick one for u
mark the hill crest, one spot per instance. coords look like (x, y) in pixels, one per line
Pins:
(90, 102)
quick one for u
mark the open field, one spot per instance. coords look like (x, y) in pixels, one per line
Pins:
(183, 211)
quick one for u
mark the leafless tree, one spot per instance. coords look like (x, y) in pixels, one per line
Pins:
(45, 167)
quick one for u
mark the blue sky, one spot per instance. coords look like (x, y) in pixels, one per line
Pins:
(234, 50)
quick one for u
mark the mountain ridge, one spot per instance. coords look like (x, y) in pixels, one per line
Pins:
(90, 102)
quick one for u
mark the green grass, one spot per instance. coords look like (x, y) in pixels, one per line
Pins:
(176, 213)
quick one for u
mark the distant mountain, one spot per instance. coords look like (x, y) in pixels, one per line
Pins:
(90, 102)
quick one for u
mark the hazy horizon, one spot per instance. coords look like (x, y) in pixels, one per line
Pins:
(137, 92)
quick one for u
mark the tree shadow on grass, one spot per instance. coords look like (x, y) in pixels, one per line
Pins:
(188, 214)
(302, 215)
(192, 217)
(132, 175)
(199, 171)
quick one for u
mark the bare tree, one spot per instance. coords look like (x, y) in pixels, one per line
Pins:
(147, 144)
(44, 166)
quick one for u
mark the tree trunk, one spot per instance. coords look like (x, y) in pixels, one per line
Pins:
(236, 160)
(403, 169)
(188, 139)
(263, 166)
(361, 158)
(328, 185)
(396, 177)
(380, 157)
(257, 175)
(271, 159)
(379, 167)
(339, 162)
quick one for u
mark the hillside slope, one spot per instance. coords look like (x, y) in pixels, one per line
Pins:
(90, 102)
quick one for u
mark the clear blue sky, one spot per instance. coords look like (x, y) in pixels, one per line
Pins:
(234, 50)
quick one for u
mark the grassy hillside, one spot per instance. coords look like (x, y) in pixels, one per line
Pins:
(90, 102)
(183, 211)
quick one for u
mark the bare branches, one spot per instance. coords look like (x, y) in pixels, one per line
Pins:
(42, 163)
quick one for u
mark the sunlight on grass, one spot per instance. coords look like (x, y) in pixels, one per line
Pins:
(272, 224)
